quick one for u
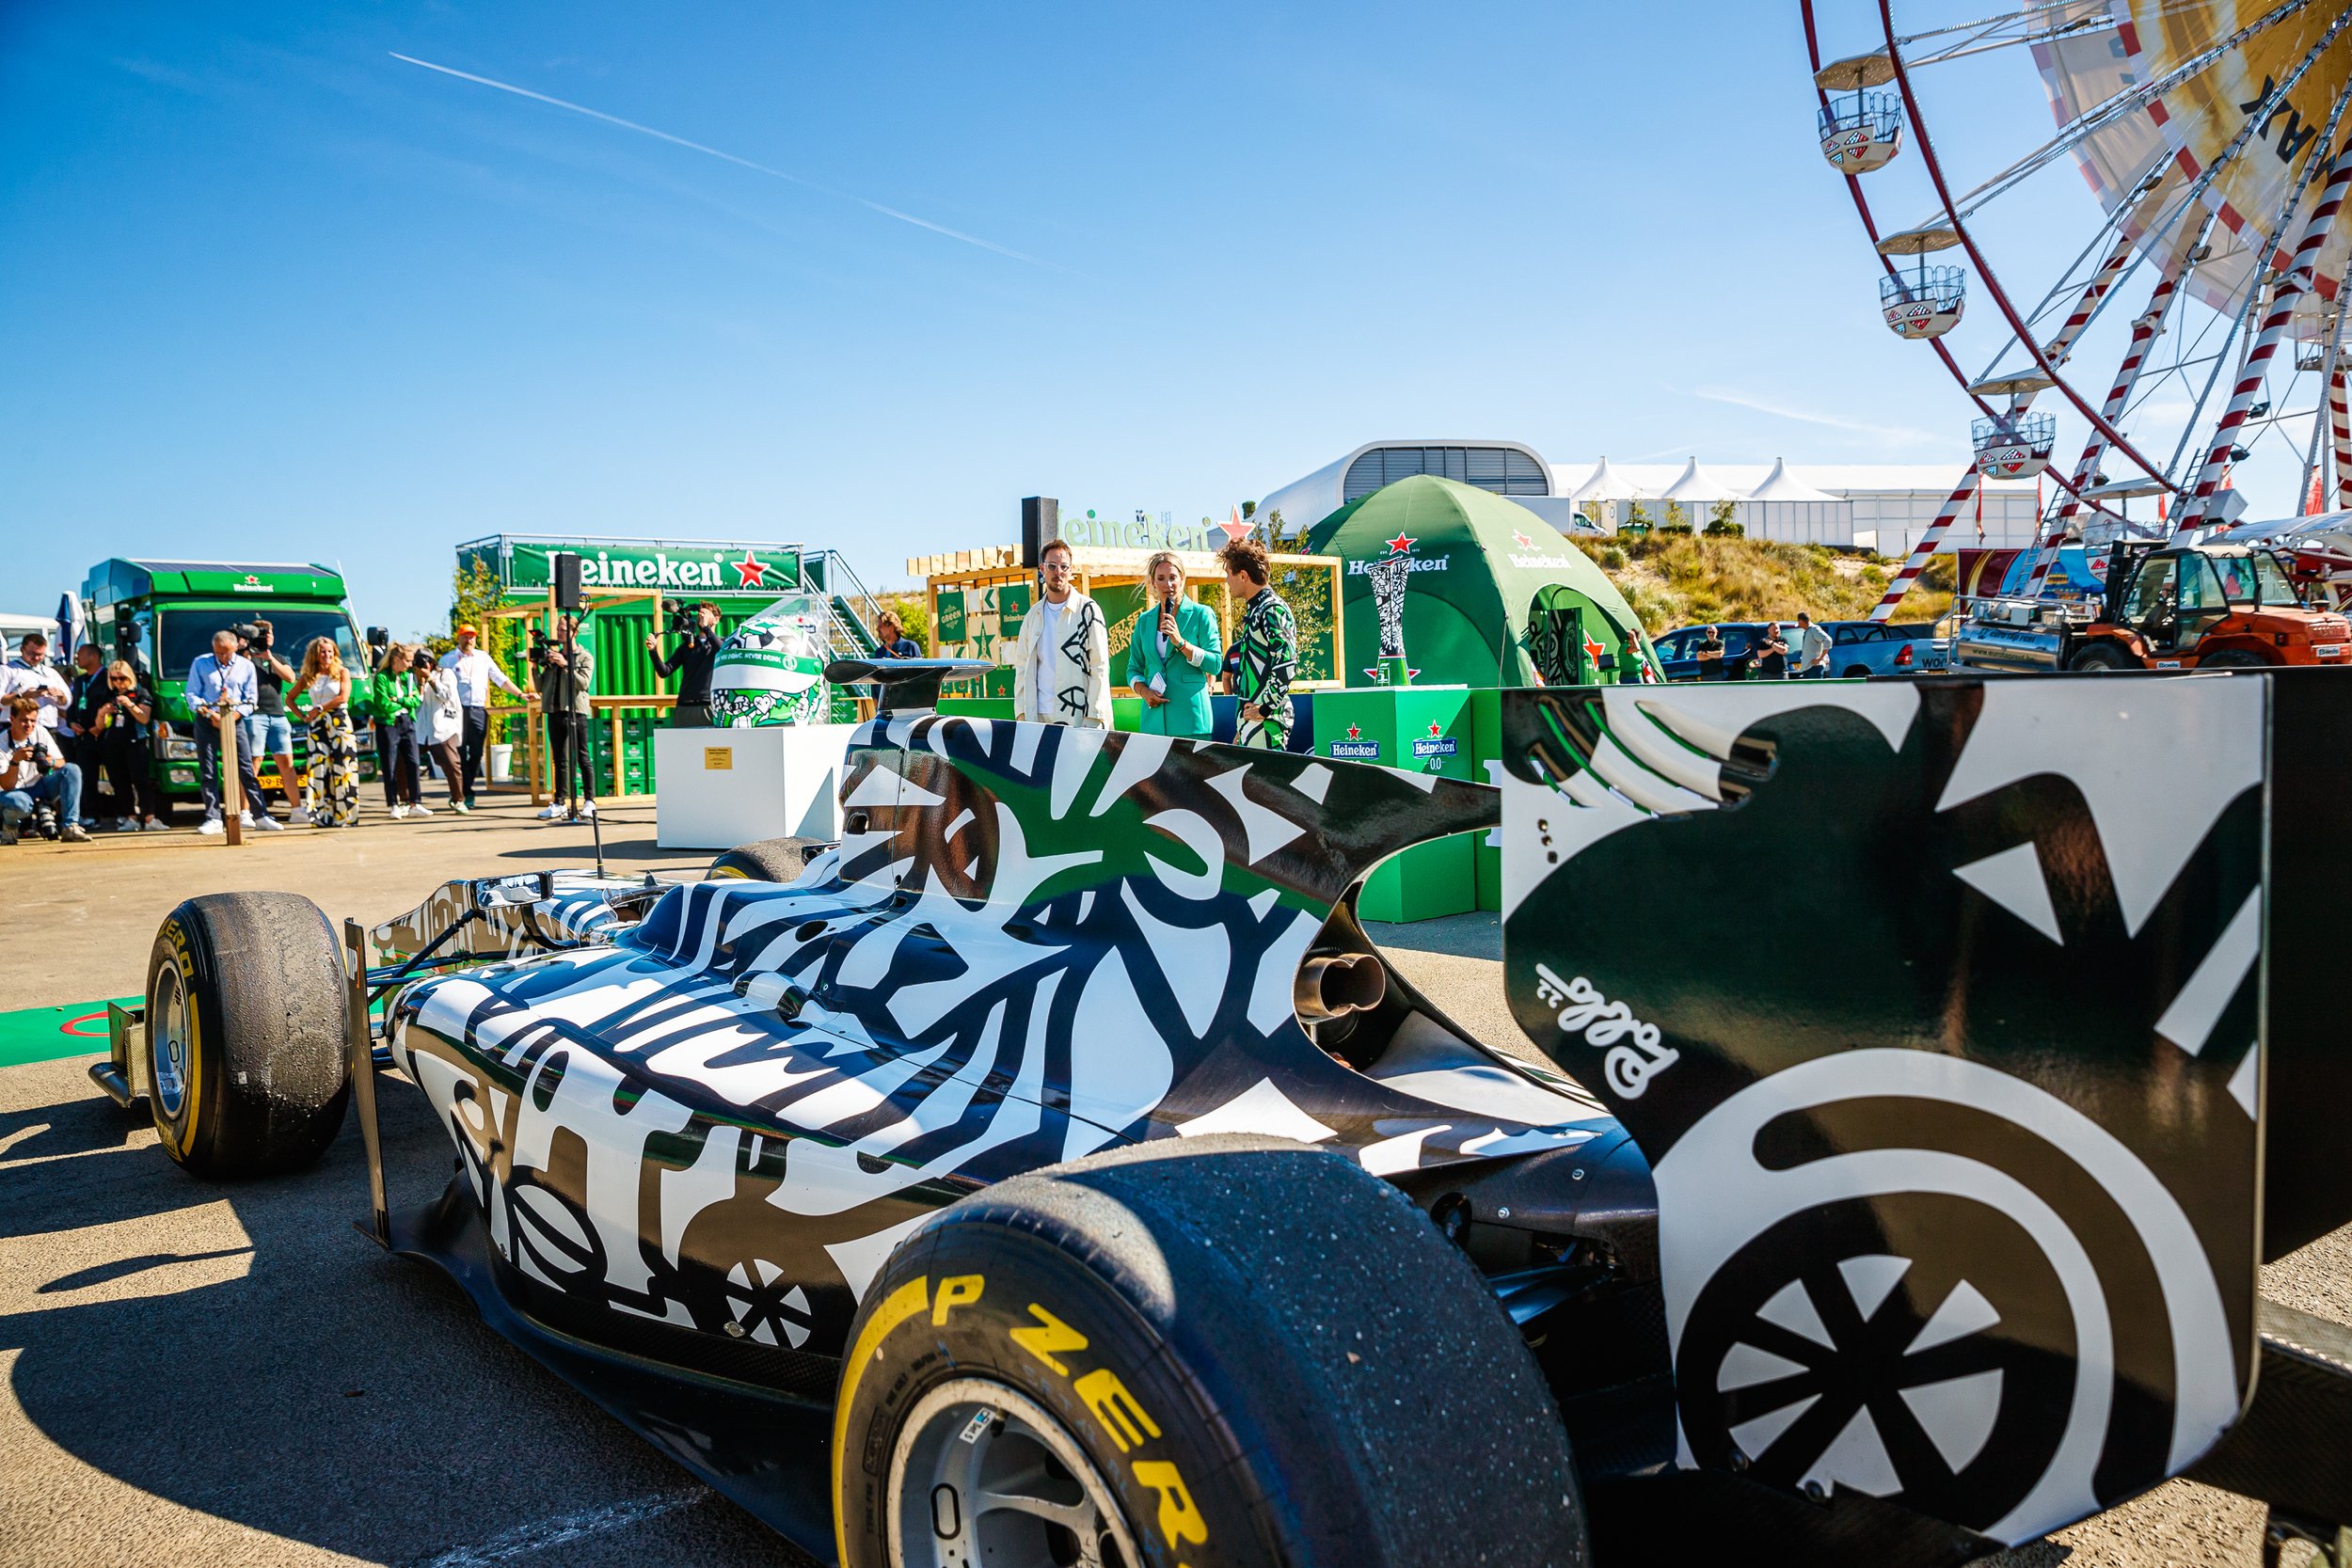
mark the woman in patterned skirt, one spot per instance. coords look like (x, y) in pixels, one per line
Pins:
(330, 786)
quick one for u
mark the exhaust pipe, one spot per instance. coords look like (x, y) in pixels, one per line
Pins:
(1333, 984)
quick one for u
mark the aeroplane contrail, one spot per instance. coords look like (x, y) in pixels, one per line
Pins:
(715, 153)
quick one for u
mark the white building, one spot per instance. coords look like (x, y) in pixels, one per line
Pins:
(1878, 506)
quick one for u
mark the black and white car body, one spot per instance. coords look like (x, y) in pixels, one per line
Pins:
(1021, 1181)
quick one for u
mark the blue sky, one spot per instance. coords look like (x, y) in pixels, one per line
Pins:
(274, 292)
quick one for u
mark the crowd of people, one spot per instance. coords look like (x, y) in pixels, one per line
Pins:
(1801, 654)
(1061, 657)
(89, 742)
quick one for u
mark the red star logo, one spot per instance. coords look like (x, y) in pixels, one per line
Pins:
(1355, 732)
(1401, 545)
(1435, 732)
(1521, 540)
(750, 572)
(1594, 648)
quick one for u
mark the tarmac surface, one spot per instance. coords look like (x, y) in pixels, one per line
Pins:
(229, 1373)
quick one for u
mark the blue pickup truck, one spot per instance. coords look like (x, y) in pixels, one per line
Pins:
(1857, 648)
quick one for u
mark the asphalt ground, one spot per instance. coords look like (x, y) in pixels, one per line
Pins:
(231, 1375)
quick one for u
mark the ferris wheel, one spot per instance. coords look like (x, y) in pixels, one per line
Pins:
(2180, 329)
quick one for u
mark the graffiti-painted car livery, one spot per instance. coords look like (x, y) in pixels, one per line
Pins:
(1021, 1182)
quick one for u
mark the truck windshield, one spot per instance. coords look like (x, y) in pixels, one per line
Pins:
(2272, 585)
(186, 635)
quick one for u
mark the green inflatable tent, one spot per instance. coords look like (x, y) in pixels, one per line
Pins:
(1494, 595)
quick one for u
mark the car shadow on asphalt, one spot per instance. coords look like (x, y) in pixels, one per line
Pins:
(304, 1384)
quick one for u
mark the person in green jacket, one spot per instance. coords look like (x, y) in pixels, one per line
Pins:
(1172, 654)
(392, 702)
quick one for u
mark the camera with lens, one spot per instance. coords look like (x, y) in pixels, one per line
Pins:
(679, 617)
(250, 631)
(539, 646)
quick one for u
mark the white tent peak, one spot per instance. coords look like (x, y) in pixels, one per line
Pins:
(1606, 484)
(1782, 486)
(1696, 483)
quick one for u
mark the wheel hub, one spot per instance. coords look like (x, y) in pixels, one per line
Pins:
(984, 1476)
(167, 1040)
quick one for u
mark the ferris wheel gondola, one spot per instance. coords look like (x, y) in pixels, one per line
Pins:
(2206, 270)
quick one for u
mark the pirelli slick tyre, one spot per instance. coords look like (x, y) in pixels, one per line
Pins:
(244, 1030)
(1228, 1353)
(768, 860)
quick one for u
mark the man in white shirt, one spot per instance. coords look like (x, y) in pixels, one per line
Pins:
(30, 672)
(1061, 662)
(1812, 648)
(476, 672)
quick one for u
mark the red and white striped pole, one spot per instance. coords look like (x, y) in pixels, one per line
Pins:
(2145, 331)
(1924, 551)
(2299, 275)
(2340, 425)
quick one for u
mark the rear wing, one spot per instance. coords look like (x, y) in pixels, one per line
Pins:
(1948, 1032)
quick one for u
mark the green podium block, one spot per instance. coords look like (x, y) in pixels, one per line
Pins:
(1420, 729)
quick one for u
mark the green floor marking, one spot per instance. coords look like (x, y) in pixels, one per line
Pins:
(46, 1034)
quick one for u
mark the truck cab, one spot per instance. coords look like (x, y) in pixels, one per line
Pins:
(160, 616)
(2206, 606)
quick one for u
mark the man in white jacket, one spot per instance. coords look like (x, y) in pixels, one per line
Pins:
(1061, 661)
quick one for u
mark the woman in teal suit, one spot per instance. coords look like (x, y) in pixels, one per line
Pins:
(1172, 654)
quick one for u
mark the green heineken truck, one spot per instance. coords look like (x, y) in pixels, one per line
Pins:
(161, 615)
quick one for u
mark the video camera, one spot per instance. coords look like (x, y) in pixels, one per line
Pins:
(683, 618)
(540, 645)
(257, 632)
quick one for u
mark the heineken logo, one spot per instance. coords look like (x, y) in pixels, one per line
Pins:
(1358, 750)
(1435, 729)
(721, 568)
(1401, 545)
(1594, 648)
(1521, 540)
(251, 584)
(1540, 561)
(750, 572)
(1398, 562)
(1355, 732)
(1444, 747)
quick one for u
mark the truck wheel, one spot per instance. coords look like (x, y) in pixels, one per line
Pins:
(1857, 673)
(2100, 657)
(2233, 658)
(1223, 1352)
(768, 860)
(244, 1030)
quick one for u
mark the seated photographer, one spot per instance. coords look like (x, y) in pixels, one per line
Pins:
(692, 661)
(34, 774)
(123, 728)
(268, 733)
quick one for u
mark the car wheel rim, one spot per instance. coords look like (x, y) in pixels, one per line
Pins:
(981, 1474)
(168, 1038)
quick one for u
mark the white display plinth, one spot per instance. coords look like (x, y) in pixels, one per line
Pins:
(714, 789)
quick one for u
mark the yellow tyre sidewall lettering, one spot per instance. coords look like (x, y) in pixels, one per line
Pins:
(1064, 1363)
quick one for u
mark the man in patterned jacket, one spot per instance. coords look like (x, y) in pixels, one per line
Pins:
(1061, 661)
(1269, 649)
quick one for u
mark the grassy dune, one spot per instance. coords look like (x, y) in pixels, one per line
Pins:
(1676, 580)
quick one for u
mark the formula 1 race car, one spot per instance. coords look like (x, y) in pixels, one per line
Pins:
(1053, 1172)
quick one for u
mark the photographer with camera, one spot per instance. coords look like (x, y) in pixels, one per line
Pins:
(34, 775)
(475, 673)
(30, 674)
(268, 733)
(565, 673)
(122, 728)
(692, 661)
